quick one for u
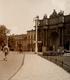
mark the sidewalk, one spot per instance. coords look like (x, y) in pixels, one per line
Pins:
(37, 68)
(9, 67)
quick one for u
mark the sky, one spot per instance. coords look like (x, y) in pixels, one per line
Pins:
(18, 15)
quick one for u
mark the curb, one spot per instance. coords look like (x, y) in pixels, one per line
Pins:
(18, 68)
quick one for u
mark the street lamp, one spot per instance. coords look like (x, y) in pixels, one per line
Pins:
(36, 28)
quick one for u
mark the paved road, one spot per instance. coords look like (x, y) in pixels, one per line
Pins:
(37, 68)
(7, 69)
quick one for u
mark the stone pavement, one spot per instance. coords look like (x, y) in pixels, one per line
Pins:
(11, 66)
(37, 68)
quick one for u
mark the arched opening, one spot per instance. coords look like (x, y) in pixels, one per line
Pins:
(54, 40)
(66, 45)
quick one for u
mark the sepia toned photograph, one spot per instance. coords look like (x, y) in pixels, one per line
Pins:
(34, 39)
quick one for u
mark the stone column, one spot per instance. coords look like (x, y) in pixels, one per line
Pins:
(43, 36)
(62, 37)
(47, 38)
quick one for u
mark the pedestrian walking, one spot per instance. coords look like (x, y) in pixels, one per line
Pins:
(6, 51)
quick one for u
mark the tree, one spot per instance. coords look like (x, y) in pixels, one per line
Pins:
(12, 42)
(3, 35)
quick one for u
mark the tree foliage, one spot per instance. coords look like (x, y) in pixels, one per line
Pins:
(3, 35)
(12, 42)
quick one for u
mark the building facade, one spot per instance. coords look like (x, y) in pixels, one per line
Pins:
(18, 42)
(54, 32)
(31, 40)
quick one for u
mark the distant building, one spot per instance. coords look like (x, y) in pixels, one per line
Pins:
(54, 32)
(19, 42)
(31, 40)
